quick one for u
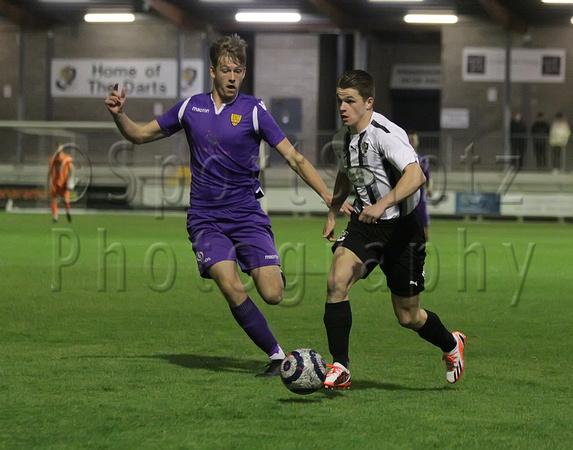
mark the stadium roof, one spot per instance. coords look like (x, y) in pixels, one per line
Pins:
(322, 16)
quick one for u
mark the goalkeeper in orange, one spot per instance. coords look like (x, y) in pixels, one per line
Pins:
(60, 181)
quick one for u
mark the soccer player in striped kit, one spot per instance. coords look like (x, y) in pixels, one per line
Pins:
(377, 160)
(225, 221)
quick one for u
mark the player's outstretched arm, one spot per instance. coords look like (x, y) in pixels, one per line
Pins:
(133, 132)
(304, 169)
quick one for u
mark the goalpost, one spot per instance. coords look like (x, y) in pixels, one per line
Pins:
(26, 147)
(103, 161)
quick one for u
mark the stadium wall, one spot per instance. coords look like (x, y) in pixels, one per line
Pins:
(162, 188)
(286, 66)
(279, 70)
(486, 111)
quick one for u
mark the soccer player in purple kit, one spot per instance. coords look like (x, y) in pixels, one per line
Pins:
(225, 221)
(426, 188)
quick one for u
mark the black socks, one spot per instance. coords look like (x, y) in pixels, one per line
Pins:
(436, 333)
(338, 321)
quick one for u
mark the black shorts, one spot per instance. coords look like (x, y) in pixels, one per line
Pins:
(398, 246)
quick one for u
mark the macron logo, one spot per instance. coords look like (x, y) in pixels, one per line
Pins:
(201, 110)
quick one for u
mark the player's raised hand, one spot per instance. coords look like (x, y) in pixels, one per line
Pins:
(115, 100)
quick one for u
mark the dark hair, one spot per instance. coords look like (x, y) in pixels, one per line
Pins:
(357, 79)
(232, 47)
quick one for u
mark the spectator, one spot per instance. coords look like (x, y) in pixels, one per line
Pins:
(540, 137)
(518, 130)
(558, 140)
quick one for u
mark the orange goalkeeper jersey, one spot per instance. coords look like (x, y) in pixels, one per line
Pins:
(60, 163)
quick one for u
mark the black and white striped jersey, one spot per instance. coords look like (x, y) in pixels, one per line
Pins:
(374, 161)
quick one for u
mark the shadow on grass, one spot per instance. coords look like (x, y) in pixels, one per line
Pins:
(369, 384)
(253, 366)
(213, 363)
(205, 362)
(357, 385)
(315, 397)
(304, 400)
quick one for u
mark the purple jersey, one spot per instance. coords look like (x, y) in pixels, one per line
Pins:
(421, 208)
(425, 166)
(224, 147)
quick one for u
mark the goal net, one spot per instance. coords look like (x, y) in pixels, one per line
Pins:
(109, 171)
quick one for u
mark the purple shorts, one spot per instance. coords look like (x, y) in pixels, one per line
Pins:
(241, 235)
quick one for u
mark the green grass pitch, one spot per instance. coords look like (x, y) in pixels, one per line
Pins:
(110, 339)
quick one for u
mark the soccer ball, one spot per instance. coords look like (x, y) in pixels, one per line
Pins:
(303, 371)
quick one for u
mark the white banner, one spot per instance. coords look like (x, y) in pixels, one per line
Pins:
(455, 118)
(416, 76)
(527, 65)
(143, 78)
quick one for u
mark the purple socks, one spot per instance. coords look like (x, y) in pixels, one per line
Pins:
(251, 319)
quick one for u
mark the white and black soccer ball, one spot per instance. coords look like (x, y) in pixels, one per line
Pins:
(303, 371)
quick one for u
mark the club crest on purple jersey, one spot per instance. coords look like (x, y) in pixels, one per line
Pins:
(235, 119)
